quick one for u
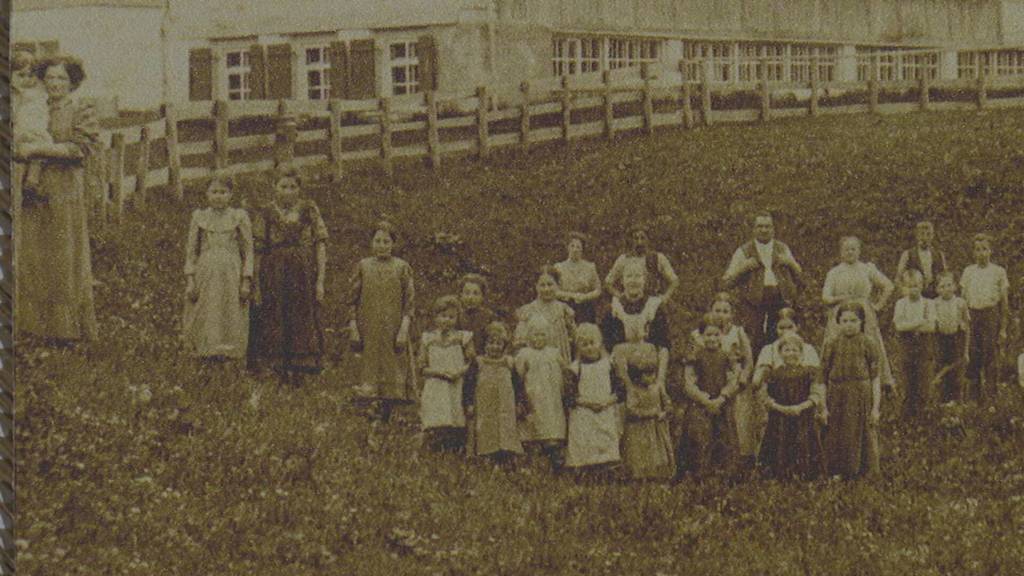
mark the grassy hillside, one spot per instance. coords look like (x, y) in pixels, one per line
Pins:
(134, 460)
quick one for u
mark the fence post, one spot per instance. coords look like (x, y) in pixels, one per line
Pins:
(385, 135)
(524, 116)
(105, 160)
(482, 128)
(433, 137)
(766, 102)
(220, 135)
(982, 90)
(173, 153)
(566, 109)
(687, 96)
(705, 94)
(337, 165)
(814, 87)
(609, 110)
(142, 167)
(648, 99)
(284, 138)
(117, 174)
(873, 85)
(923, 89)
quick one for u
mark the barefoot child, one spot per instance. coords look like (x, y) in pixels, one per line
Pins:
(914, 318)
(475, 316)
(593, 391)
(850, 371)
(495, 398)
(291, 241)
(540, 365)
(709, 442)
(382, 310)
(218, 276)
(444, 357)
(953, 328)
(791, 446)
(646, 444)
(985, 288)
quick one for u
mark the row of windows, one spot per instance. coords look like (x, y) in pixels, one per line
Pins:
(572, 56)
(990, 63)
(316, 65)
(893, 65)
(750, 61)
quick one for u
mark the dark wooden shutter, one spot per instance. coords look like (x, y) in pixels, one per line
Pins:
(257, 73)
(339, 70)
(426, 52)
(362, 70)
(279, 71)
(200, 74)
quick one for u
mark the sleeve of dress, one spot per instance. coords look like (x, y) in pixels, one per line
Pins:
(747, 349)
(319, 229)
(618, 386)
(572, 387)
(879, 279)
(570, 322)
(469, 384)
(246, 241)
(517, 387)
(659, 335)
(826, 362)
(899, 316)
(408, 290)
(828, 287)
(356, 287)
(873, 357)
(665, 267)
(1004, 284)
(615, 273)
(594, 282)
(612, 330)
(811, 356)
(85, 133)
(192, 244)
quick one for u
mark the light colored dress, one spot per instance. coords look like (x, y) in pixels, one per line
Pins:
(580, 278)
(857, 281)
(593, 436)
(494, 383)
(541, 371)
(561, 325)
(383, 294)
(441, 402)
(54, 287)
(219, 254)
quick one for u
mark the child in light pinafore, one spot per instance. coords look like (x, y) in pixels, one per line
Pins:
(444, 357)
(540, 365)
(593, 391)
(495, 399)
(218, 276)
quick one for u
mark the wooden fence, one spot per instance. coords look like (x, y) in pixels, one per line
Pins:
(186, 142)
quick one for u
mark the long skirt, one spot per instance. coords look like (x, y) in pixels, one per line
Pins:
(286, 324)
(851, 445)
(593, 437)
(647, 449)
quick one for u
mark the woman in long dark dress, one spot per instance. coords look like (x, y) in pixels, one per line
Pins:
(55, 282)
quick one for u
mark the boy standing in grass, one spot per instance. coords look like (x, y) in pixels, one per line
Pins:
(952, 339)
(915, 322)
(924, 258)
(986, 289)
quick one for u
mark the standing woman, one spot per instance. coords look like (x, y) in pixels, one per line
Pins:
(855, 281)
(580, 286)
(54, 288)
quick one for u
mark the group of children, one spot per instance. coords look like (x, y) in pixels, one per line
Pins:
(602, 397)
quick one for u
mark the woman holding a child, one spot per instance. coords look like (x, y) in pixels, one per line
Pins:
(54, 287)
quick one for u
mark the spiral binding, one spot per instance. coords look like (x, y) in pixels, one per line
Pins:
(7, 505)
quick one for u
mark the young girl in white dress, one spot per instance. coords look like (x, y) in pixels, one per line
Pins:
(594, 391)
(444, 357)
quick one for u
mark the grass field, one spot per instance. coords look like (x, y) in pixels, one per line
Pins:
(135, 460)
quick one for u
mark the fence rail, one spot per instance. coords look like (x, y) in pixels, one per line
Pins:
(186, 142)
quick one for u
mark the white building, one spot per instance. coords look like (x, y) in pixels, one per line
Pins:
(146, 52)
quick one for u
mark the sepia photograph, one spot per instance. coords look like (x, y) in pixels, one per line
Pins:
(514, 287)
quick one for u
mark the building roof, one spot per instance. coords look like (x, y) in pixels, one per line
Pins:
(29, 5)
(228, 18)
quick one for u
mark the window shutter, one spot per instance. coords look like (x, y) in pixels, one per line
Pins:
(257, 73)
(200, 74)
(426, 52)
(279, 71)
(362, 71)
(339, 70)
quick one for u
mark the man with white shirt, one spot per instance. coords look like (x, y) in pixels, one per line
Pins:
(923, 257)
(767, 278)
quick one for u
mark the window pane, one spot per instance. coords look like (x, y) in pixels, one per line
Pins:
(234, 59)
(400, 89)
(313, 78)
(398, 74)
(398, 51)
(312, 55)
(314, 94)
(234, 82)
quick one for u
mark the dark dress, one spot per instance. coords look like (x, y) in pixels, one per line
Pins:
(709, 442)
(848, 366)
(476, 320)
(286, 323)
(791, 447)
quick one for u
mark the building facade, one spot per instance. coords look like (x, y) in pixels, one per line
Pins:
(356, 49)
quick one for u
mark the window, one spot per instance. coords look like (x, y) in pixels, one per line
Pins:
(564, 60)
(574, 56)
(590, 55)
(318, 72)
(237, 74)
(761, 62)
(405, 68)
(626, 53)
(721, 62)
(887, 60)
(803, 58)
(917, 66)
(694, 56)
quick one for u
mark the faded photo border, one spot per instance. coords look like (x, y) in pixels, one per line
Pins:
(7, 380)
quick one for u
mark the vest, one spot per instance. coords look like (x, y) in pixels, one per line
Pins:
(751, 284)
(914, 263)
